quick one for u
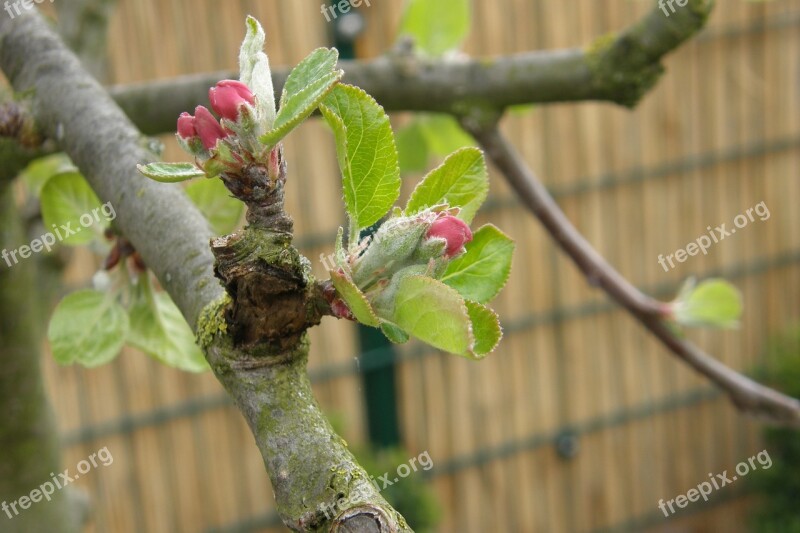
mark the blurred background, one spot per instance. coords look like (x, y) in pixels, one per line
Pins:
(579, 422)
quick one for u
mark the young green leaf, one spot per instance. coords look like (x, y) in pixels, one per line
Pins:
(87, 327)
(354, 299)
(437, 26)
(308, 83)
(434, 313)
(461, 181)
(171, 172)
(393, 333)
(215, 202)
(40, 170)
(483, 270)
(367, 154)
(254, 71)
(158, 329)
(485, 328)
(713, 303)
(412, 147)
(68, 201)
(444, 134)
(316, 65)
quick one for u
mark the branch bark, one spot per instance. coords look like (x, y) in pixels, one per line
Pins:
(615, 68)
(310, 466)
(28, 434)
(83, 24)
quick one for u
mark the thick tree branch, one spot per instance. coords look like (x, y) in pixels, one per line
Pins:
(310, 466)
(749, 396)
(615, 68)
(83, 24)
(28, 433)
(71, 108)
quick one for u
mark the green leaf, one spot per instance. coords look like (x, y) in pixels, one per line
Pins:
(437, 26)
(316, 65)
(367, 153)
(307, 85)
(254, 72)
(713, 303)
(483, 269)
(215, 202)
(40, 170)
(68, 201)
(338, 250)
(412, 146)
(434, 313)
(485, 328)
(171, 172)
(87, 327)
(222, 160)
(444, 134)
(393, 333)
(429, 134)
(354, 299)
(158, 329)
(461, 181)
(521, 110)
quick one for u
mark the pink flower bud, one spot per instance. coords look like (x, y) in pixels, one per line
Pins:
(454, 230)
(207, 127)
(227, 96)
(186, 128)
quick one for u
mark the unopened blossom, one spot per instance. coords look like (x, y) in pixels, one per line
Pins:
(228, 96)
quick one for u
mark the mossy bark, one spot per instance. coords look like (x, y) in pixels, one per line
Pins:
(257, 344)
(626, 66)
(29, 447)
(318, 484)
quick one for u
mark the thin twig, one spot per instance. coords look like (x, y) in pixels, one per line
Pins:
(750, 397)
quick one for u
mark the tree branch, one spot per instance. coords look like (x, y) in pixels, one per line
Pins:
(28, 433)
(72, 109)
(83, 24)
(310, 466)
(749, 396)
(615, 68)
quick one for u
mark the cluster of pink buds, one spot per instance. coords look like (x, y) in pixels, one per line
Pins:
(226, 98)
(231, 147)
